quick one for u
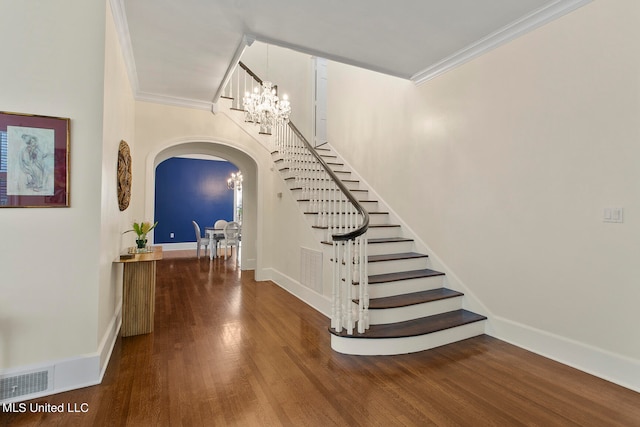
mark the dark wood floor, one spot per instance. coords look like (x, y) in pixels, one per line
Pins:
(229, 351)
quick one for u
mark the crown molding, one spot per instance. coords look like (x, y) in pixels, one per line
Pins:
(174, 101)
(122, 28)
(527, 23)
(318, 54)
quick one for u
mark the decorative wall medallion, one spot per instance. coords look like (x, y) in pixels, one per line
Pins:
(124, 175)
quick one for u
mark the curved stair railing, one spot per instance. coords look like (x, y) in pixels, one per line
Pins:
(335, 207)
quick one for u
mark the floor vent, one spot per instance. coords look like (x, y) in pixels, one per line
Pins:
(24, 384)
(311, 269)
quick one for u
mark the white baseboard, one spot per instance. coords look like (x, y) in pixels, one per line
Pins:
(183, 246)
(74, 372)
(319, 302)
(612, 367)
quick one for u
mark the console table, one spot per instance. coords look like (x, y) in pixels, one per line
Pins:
(139, 291)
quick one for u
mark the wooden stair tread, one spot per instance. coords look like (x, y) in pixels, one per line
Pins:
(396, 257)
(417, 327)
(415, 298)
(403, 275)
(389, 239)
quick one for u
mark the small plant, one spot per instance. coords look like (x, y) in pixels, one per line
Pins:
(141, 229)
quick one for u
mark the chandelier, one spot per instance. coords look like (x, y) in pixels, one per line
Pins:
(265, 108)
(235, 181)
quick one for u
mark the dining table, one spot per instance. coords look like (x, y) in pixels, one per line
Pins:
(214, 235)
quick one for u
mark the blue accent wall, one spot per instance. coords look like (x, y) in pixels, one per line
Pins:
(187, 190)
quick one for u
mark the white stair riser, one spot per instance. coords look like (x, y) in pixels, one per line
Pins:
(287, 171)
(396, 266)
(390, 346)
(322, 234)
(401, 314)
(351, 185)
(389, 248)
(377, 219)
(383, 232)
(316, 205)
(401, 287)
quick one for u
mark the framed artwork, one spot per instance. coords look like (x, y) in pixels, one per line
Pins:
(34, 161)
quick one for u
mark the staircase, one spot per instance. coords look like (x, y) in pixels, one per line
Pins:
(409, 309)
(400, 305)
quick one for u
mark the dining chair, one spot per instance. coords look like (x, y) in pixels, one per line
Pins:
(201, 241)
(231, 237)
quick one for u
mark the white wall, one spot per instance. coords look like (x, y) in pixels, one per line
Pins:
(506, 164)
(54, 65)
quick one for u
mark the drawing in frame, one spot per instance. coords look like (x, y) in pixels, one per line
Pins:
(34, 161)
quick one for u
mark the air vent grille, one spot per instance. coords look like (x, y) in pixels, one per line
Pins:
(311, 269)
(20, 385)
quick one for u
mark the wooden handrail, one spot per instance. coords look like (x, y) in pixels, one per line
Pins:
(365, 215)
(251, 73)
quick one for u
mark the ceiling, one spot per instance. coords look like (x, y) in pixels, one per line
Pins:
(179, 51)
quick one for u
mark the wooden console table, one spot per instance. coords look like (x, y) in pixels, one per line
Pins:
(139, 292)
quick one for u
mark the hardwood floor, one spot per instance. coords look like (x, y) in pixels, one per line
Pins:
(229, 351)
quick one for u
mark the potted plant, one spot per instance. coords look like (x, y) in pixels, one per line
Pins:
(141, 229)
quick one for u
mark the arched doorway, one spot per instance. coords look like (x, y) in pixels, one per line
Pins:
(245, 163)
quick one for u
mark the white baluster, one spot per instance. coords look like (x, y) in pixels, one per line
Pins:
(349, 288)
(337, 291)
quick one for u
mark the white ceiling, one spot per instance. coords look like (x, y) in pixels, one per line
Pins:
(179, 51)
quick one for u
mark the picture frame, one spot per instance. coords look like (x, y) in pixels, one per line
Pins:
(34, 161)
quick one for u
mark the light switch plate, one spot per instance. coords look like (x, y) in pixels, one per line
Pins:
(613, 215)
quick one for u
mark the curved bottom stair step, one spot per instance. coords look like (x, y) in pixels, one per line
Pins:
(421, 326)
(410, 336)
